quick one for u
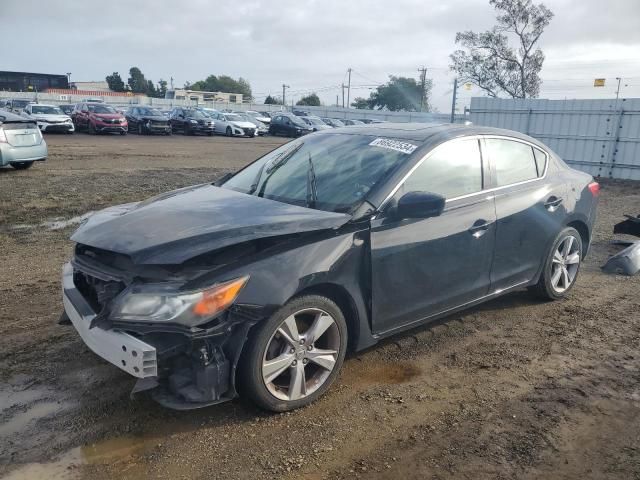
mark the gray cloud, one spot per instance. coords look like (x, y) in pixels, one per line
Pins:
(307, 44)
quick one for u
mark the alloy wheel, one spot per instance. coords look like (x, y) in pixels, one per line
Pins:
(565, 264)
(301, 354)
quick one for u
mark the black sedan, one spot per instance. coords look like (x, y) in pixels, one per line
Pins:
(190, 121)
(146, 120)
(261, 282)
(67, 108)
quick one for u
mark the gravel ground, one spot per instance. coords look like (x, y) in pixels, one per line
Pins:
(515, 388)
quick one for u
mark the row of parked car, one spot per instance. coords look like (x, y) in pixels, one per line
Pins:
(94, 116)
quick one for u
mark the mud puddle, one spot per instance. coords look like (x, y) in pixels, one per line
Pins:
(362, 372)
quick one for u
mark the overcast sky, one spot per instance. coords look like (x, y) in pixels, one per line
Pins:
(309, 44)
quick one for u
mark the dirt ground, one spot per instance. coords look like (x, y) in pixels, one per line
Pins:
(515, 388)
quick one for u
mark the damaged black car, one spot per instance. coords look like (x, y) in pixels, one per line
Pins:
(260, 283)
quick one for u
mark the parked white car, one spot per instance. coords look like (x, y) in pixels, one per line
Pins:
(260, 117)
(21, 141)
(49, 118)
(231, 124)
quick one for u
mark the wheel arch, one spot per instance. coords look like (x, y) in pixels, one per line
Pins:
(345, 302)
(585, 234)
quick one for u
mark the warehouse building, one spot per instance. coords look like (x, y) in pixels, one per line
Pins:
(31, 82)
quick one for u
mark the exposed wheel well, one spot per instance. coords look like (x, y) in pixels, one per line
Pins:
(583, 230)
(344, 301)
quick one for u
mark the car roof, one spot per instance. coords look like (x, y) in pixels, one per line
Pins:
(424, 132)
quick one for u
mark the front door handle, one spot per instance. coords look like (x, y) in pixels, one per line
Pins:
(552, 203)
(479, 228)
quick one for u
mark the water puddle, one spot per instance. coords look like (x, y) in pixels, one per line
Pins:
(21, 421)
(57, 223)
(66, 466)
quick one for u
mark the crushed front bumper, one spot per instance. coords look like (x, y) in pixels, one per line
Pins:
(125, 351)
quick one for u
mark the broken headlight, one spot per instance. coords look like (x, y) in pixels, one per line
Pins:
(190, 309)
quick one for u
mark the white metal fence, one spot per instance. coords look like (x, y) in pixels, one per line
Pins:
(162, 103)
(600, 137)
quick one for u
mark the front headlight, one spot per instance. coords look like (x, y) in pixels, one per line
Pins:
(190, 309)
(193, 121)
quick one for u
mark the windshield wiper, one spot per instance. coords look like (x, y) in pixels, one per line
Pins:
(277, 163)
(312, 186)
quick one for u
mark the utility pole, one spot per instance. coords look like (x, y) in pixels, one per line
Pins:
(453, 101)
(349, 88)
(337, 102)
(343, 95)
(284, 103)
(619, 79)
(423, 79)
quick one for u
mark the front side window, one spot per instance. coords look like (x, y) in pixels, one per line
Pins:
(452, 170)
(345, 168)
(513, 161)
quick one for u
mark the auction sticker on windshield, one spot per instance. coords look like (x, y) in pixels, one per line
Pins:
(396, 145)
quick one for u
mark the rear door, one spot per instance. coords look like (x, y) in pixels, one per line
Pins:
(422, 267)
(529, 209)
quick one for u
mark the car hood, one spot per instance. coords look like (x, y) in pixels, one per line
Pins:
(155, 118)
(107, 115)
(243, 124)
(50, 117)
(179, 225)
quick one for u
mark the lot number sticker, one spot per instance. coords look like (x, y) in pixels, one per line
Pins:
(396, 145)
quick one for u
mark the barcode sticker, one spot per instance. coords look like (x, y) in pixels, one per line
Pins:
(396, 145)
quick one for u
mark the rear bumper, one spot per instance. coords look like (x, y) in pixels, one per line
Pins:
(10, 154)
(125, 351)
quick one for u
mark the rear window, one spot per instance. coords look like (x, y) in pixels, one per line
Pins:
(18, 126)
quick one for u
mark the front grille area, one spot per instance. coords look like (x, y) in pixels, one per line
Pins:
(249, 132)
(96, 291)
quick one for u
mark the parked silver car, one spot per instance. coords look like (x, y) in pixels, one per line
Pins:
(49, 118)
(21, 141)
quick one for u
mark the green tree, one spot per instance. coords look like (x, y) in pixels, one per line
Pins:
(137, 82)
(151, 89)
(115, 82)
(162, 88)
(272, 100)
(401, 94)
(223, 83)
(360, 103)
(492, 64)
(311, 100)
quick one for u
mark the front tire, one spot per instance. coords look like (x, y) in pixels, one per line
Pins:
(228, 132)
(561, 267)
(294, 357)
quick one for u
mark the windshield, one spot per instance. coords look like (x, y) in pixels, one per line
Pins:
(316, 121)
(233, 117)
(337, 123)
(46, 110)
(20, 103)
(346, 167)
(195, 114)
(100, 109)
(152, 112)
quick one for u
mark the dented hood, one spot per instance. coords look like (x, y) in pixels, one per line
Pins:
(179, 225)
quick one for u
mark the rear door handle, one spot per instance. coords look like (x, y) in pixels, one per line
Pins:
(479, 228)
(552, 203)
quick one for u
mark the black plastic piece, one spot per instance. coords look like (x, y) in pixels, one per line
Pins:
(630, 226)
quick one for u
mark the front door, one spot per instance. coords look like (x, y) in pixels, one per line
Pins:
(422, 267)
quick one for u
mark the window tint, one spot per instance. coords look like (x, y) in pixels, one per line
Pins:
(454, 169)
(513, 161)
(541, 160)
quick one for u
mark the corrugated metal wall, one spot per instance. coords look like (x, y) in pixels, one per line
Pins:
(600, 137)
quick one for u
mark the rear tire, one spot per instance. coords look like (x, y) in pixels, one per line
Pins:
(561, 267)
(22, 165)
(276, 354)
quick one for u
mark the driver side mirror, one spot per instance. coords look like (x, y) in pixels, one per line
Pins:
(420, 205)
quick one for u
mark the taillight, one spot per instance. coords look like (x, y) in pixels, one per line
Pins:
(594, 188)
